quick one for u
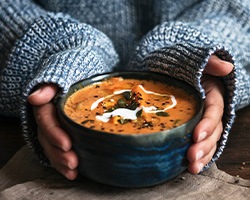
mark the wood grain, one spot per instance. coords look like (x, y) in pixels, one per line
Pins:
(235, 159)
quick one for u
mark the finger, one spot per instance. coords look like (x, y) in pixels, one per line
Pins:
(46, 119)
(218, 67)
(213, 111)
(208, 124)
(59, 158)
(66, 172)
(43, 95)
(64, 162)
(56, 155)
(201, 149)
(196, 167)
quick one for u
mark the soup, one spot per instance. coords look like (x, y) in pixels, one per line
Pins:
(130, 106)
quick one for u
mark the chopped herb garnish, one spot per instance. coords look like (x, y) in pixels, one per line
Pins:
(163, 126)
(111, 109)
(86, 121)
(162, 114)
(176, 121)
(147, 124)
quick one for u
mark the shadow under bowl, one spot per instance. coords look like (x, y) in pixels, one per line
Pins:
(131, 160)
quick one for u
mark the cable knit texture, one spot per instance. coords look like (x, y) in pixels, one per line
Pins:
(61, 42)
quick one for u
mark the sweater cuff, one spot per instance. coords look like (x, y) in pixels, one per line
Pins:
(62, 69)
(182, 52)
(187, 62)
(58, 50)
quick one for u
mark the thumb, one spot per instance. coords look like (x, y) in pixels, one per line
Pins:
(43, 95)
(218, 67)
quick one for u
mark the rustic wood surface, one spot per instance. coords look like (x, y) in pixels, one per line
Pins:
(235, 159)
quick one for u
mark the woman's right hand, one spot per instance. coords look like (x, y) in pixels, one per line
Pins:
(54, 140)
(208, 131)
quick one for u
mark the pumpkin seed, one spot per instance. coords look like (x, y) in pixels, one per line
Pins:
(123, 121)
(127, 95)
(121, 103)
(138, 114)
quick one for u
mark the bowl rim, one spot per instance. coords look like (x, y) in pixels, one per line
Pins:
(60, 101)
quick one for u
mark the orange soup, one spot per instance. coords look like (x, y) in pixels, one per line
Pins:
(130, 106)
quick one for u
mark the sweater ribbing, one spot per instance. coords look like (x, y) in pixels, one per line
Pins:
(53, 43)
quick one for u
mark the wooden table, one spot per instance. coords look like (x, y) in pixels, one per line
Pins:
(235, 159)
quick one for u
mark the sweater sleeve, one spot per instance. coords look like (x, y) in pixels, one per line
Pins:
(42, 47)
(181, 49)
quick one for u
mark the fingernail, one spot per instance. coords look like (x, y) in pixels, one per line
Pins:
(36, 92)
(65, 147)
(227, 63)
(67, 176)
(199, 155)
(202, 136)
(232, 65)
(70, 165)
(200, 167)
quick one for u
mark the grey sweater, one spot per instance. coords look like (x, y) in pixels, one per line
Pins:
(64, 41)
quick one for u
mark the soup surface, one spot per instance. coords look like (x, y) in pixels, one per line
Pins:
(130, 106)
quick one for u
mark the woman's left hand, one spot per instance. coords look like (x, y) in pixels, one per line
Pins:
(208, 131)
(55, 142)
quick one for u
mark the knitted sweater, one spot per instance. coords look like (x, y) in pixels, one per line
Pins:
(64, 41)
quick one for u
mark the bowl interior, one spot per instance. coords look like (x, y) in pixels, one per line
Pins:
(135, 75)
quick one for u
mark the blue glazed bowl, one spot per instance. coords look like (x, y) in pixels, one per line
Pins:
(131, 160)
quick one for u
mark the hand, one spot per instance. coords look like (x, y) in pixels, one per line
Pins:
(208, 131)
(54, 140)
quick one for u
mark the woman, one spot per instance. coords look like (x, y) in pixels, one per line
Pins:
(48, 45)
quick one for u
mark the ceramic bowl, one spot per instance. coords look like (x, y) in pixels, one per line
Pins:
(131, 160)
